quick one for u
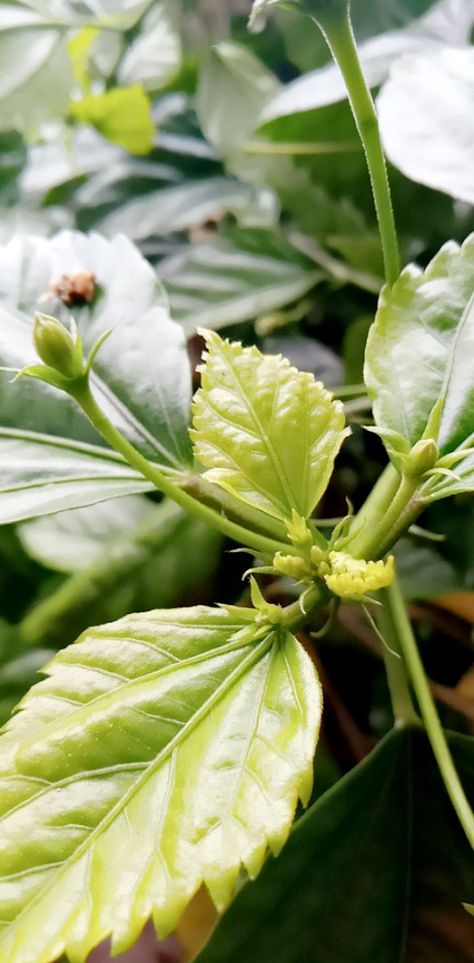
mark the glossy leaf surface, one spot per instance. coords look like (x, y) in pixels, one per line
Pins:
(420, 349)
(235, 278)
(366, 874)
(162, 751)
(141, 374)
(42, 474)
(427, 120)
(266, 432)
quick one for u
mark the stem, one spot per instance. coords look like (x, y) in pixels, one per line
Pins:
(340, 38)
(388, 511)
(406, 639)
(259, 543)
(397, 678)
(297, 614)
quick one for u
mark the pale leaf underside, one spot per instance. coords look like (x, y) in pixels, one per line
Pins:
(266, 432)
(162, 751)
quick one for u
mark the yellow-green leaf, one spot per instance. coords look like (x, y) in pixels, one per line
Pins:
(163, 751)
(122, 115)
(267, 433)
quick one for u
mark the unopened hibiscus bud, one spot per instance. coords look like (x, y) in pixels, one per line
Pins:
(57, 347)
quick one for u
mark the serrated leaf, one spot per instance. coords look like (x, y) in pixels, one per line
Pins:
(161, 752)
(121, 114)
(266, 432)
(141, 374)
(420, 349)
(366, 874)
(236, 277)
(427, 122)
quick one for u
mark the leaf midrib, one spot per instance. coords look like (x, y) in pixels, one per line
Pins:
(256, 653)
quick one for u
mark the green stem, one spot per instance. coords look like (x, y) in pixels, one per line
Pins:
(298, 613)
(259, 543)
(406, 639)
(397, 678)
(340, 38)
(388, 511)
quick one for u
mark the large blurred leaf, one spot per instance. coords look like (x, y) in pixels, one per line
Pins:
(141, 375)
(162, 751)
(234, 86)
(44, 473)
(420, 349)
(446, 22)
(71, 540)
(127, 555)
(427, 120)
(367, 875)
(236, 277)
(154, 55)
(267, 433)
(36, 76)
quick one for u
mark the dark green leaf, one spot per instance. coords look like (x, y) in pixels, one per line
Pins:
(127, 558)
(367, 873)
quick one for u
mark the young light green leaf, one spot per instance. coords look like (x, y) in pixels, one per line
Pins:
(266, 432)
(163, 751)
(121, 114)
(427, 122)
(420, 350)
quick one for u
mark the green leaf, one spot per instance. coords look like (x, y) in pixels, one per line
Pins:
(420, 350)
(427, 122)
(180, 206)
(71, 540)
(234, 87)
(429, 32)
(121, 114)
(141, 374)
(33, 54)
(127, 558)
(268, 434)
(42, 474)
(162, 751)
(154, 55)
(236, 277)
(367, 874)
(423, 572)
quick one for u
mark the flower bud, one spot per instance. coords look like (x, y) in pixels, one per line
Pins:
(422, 457)
(57, 347)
